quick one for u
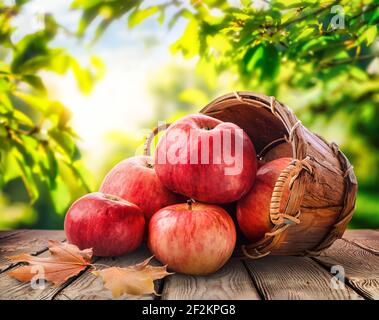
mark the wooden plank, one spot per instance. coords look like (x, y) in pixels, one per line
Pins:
(359, 234)
(90, 287)
(230, 282)
(369, 245)
(25, 241)
(361, 267)
(295, 278)
(6, 233)
(366, 239)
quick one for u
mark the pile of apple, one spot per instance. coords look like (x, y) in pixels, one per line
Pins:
(179, 208)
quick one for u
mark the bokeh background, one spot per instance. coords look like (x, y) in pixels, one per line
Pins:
(82, 81)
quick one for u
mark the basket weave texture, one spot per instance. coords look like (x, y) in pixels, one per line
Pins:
(321, 181)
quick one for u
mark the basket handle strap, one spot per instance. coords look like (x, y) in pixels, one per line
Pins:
(151, 135)
(290, 178)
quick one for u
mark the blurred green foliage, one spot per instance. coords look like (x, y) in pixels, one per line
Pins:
(38, 150)
(319, 57)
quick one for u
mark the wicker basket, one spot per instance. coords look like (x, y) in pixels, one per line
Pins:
(321, 181)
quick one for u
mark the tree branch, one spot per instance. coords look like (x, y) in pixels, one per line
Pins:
(348, 60)
(305, 16)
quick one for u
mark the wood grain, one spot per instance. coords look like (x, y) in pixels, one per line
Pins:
(365, 239)
(368, 244)
(231, 282)
(25, 241)
(6, 233)
(295, 278)
(358, 234)
(90, 287)
(361, 267)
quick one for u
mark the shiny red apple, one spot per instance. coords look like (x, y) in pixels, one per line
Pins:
(135, 180)
(206, 159)
(108, 224)
(253, 210)
(194, 239)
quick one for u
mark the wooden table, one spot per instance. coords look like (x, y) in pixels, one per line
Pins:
(356, 256)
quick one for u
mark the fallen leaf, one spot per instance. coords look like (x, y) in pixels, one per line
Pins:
(66, 261)
(134, 280)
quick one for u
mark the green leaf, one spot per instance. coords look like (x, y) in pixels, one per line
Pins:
(26, 152)
(38, 103)
(83, 77)
(98, 65)
(370, 35)
(27, 176)
(102, 26)
(11, 168)
(271, 63)
(251, 57)
(306, 33)
(3, 132)
(182, 13)
(60, 196)
(139, 15)
(87, 18)
(317, 42)
(49, 163)
(59, 61)
(162, 16)
(53, 164)
(358, 73)
(35, 81)
(20, 3)
(31, 46)
(81, 173)
(5, 102)
(85, 4)
(246, 3)
(22, 118)
(64, 140)
(372, 16)
(189, 43)
(263, 61)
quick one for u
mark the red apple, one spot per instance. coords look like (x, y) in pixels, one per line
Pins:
(206, 159)
(108, 224)
(135, 180)
(253, 210)
(194, 239)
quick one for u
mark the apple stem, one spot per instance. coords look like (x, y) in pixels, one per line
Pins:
(189, 203)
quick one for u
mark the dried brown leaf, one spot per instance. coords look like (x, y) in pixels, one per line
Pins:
(133, 280)
(65, 261)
